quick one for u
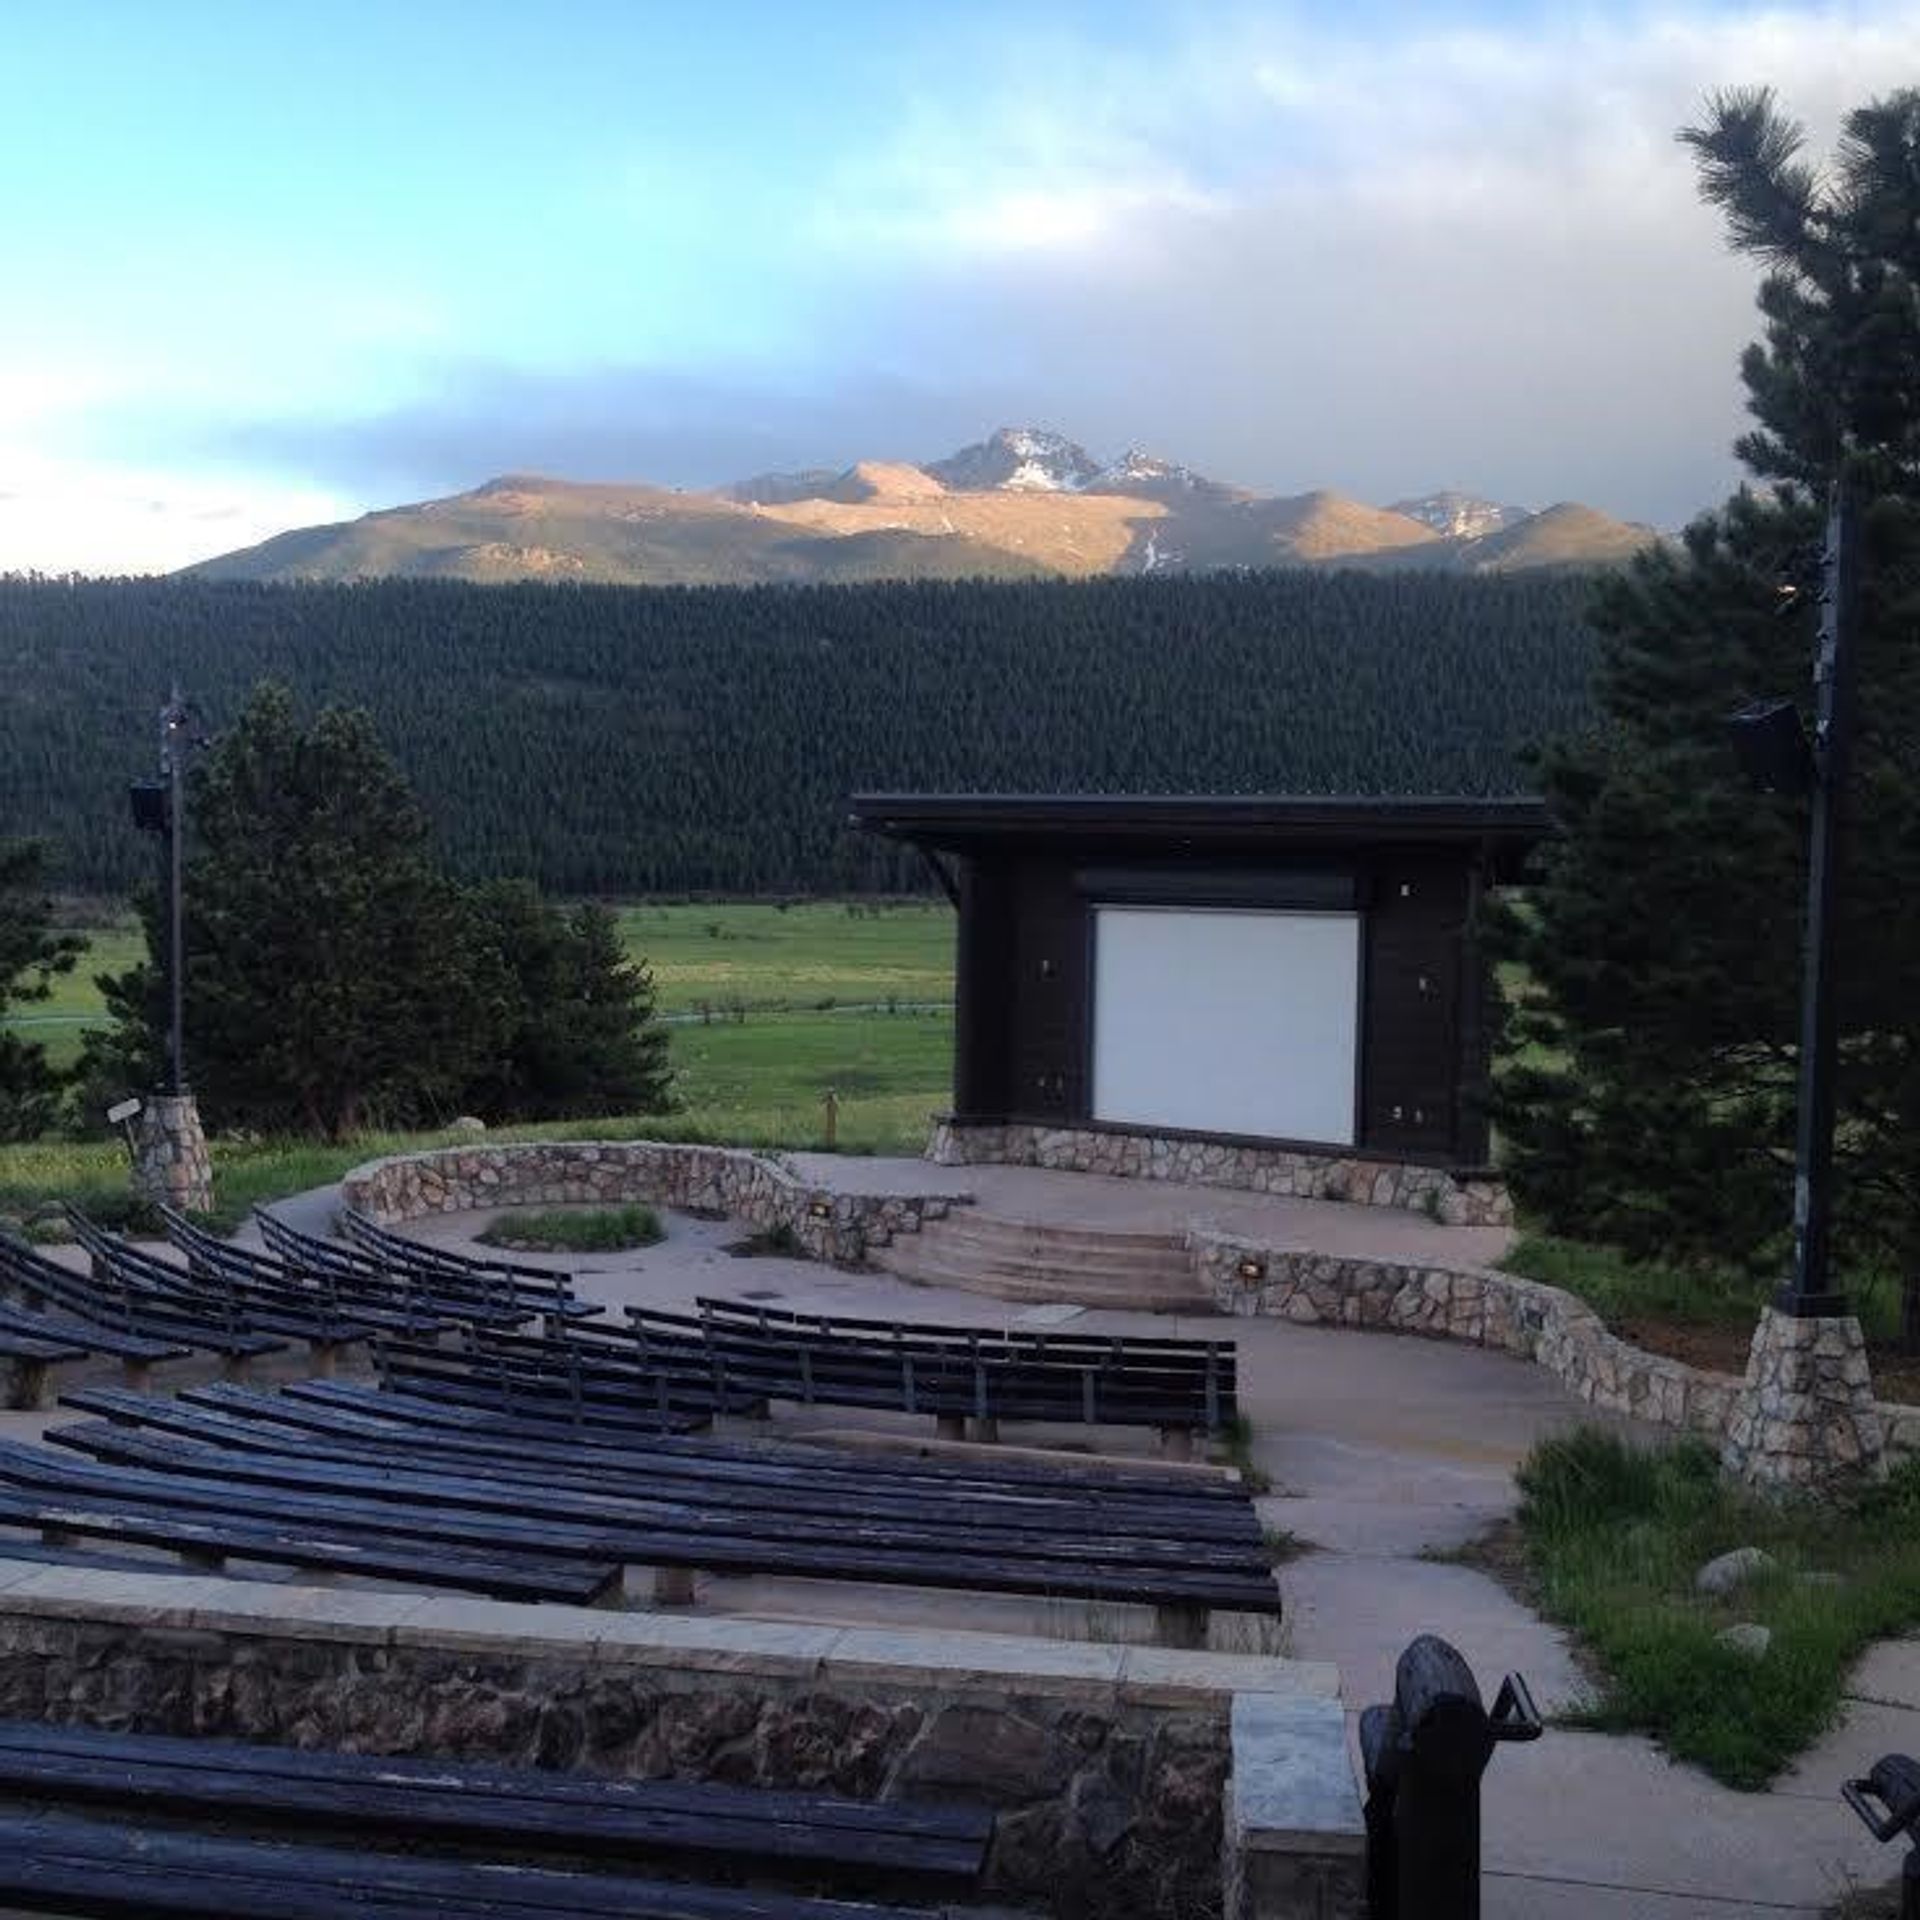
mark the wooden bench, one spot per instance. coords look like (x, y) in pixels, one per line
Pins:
(322, 1464)
(538, 1289)
(736, 1832)
(809, 1475)
(240, 1307)
(136, 1327)
(63, 1863)
(1193, 1382)
(267, 1275)
(70, 1499)
(552, 1379)
(361, 1277)
(955, 1378)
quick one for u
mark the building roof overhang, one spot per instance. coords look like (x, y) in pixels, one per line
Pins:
(973, 824)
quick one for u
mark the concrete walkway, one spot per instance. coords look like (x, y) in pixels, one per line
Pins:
(1383, 1451)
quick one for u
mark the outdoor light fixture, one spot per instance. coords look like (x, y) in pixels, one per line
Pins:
(148, 801)
(1250, 1272)
(1771, 745)
(820, 1209)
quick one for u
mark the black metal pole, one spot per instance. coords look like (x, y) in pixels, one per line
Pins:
(173, 729)
(1810, 1293)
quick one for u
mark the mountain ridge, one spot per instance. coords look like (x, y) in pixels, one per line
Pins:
(1023, 502)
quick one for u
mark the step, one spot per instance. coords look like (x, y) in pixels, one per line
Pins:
(983, 1260)
(1149, 1294)
(1029, 1243)
(970, 1223)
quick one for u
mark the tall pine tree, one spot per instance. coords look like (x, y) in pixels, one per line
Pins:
(31, 956)
(1649, 1096)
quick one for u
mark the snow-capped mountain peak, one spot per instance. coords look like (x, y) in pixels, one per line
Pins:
(1460, 516)
(1018, 460)
(1138, 468)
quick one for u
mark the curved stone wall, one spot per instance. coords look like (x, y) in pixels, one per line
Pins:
(1285, 1172)
(1478, 1305)
(753, 1187)
(1488, 1309)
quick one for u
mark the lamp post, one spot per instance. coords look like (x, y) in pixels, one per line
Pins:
(170, 1150)
(1809, 1292)
(174, 718)
(1805, 1416)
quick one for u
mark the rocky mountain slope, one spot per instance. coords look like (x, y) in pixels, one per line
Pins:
(1020, 503)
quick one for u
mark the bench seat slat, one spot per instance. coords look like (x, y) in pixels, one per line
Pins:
(63, 1863)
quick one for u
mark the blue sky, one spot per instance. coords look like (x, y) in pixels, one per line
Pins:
(270, 263)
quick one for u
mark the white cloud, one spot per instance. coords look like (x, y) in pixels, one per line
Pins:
(64, 516)
(1304, 257)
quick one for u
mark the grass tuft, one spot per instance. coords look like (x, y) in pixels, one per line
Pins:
(591, 1230)
(1614, 1536)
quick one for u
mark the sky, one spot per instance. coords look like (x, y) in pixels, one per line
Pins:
(268, 265)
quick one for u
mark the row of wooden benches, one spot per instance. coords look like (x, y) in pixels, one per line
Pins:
(135, 1824)
(747, 1349)
(677, 1362)
(727, 1356)
(433, 1490)
(236, 1304)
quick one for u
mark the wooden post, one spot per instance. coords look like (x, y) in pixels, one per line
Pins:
(832, 1104)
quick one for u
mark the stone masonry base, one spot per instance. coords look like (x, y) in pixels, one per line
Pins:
(1805, 1418)
(170, 1161)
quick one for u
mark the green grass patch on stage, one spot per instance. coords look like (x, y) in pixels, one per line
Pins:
(575, 1230)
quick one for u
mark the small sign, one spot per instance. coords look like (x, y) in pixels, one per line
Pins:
(122, 1111)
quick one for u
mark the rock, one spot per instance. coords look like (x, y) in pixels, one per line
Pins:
(467, 1123)
(1749, 1638)
(997, 1757)
(1730, 1570)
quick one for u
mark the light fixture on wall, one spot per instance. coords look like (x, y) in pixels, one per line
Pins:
(1250, 1271)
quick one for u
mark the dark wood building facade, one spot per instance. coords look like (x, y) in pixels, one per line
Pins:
(1291, 972)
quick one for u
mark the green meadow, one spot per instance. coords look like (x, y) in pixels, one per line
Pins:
(769, 1008)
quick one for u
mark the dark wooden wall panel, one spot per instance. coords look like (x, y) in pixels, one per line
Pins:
(1050, 994)
(1410, 1021)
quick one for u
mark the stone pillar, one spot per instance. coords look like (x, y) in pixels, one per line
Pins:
(1805, 1418)
(170, 1160)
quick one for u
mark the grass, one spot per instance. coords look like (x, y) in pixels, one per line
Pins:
(1235, 1444)
(589, 1230)
(1614, 1535)
(715, 960)
(1623, 1291)
(770, 1008)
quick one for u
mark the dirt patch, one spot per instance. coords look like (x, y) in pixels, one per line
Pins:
(1896, 1376)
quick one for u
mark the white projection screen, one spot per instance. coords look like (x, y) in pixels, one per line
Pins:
(1227, 1021)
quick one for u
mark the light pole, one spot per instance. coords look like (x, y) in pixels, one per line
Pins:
(170, 1150)
(174, 719)
(1809, 1292)
(1805, 1416)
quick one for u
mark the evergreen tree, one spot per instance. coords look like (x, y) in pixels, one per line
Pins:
(582, 1037)
(1650, 1097)
(31, 955)
(330, 982)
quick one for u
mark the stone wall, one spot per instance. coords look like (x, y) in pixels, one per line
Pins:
(1106, 1766)
(1488, 1309)
(1286, 1172)
(752, 1187)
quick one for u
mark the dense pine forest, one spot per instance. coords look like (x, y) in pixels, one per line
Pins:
(607, 740)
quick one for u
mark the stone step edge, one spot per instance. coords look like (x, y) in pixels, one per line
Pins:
(974, 1224)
